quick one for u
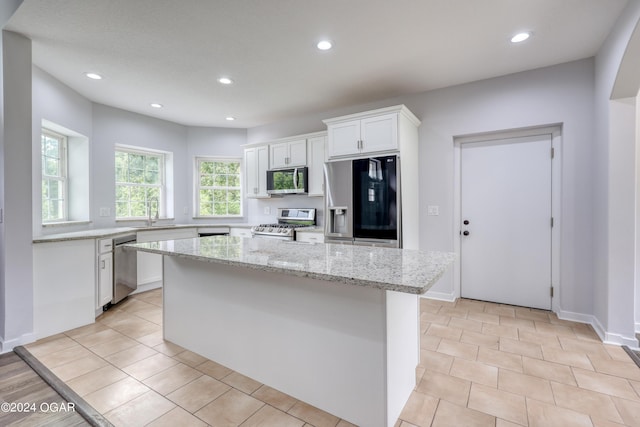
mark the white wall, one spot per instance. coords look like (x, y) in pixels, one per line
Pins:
(59, 104)
(113, 126)
(560, 94)
(16, 274)
(612, 289)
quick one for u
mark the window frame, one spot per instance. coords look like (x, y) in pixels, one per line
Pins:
(198, 187)
(162, 173)
(62, 177)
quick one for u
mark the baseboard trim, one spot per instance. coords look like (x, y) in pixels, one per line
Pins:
(442, 296)
(147, 287)
(606, 337)
(8, 345)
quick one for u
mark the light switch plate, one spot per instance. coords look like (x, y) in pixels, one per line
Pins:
(105, 211)
(433, 210)
(267, 210)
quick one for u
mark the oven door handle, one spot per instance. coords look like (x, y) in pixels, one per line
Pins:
(295, 178)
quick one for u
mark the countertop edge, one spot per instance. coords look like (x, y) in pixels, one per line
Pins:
(112, 232)
(301, 273)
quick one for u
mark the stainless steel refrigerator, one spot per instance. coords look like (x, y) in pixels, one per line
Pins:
(363, 201)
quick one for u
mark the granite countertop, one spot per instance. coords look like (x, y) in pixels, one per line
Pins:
(403, 270)
(100, 233)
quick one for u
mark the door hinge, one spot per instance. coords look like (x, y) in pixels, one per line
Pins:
(553, 152)
(551, 291)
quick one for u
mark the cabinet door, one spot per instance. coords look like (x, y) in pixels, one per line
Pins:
(297, 153)
(309, 237)
(239, 232)
(250, 172)
(379, 133)
(262, 165)
(317, 152)
(256, 164)
(105, 279)
(344, 138)
(279, 155)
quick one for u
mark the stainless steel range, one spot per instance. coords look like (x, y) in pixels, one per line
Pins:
(288, 220)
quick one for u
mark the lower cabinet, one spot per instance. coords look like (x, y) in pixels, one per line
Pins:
(240, 232)
(150, 265)
(104, 284)
(64, 286)
(105, 280)
(310, 236)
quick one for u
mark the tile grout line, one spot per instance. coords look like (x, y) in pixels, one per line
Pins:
(231, 387)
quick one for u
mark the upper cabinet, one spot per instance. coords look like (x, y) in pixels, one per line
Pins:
(256, 163)
(316, 157)
(289, 154)
(370, 132)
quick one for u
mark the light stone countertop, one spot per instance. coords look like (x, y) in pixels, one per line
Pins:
(100, 233)
(402, 270)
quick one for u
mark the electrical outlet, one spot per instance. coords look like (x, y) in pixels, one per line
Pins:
(267, 210)
(433, 210)
(185, 210)
(105, 212)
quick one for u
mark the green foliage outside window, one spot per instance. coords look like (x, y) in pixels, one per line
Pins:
(219, 188)
(53, 177)
(139, 183)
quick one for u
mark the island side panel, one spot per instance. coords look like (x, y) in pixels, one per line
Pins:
(320, 342)
(403, 350)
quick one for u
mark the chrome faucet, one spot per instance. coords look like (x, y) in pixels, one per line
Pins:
(152, 219)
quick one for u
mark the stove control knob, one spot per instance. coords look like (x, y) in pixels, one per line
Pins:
(270, 229)
(284, 230)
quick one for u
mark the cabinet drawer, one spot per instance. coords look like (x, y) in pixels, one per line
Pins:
(309, 237)
(105, 245)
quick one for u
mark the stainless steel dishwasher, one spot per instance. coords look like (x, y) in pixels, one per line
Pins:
(125, 268)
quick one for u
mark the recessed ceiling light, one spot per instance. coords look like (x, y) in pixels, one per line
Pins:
(324, 45)
(225, 80)
(520, 37)
(93, 76)
(155, 105)
(230, 118)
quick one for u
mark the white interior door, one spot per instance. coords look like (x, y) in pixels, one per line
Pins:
(506, 221)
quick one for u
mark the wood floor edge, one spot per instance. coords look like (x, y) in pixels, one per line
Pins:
(632, 354)
(87, 412)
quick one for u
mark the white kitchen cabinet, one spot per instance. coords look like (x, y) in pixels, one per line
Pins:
(289, 154)
(150, 265)
(256, 163)
(368, 135)
(64, 286)
(371, 132)
(316, 149)
(310, 236)
(104, 284)
(240, 232)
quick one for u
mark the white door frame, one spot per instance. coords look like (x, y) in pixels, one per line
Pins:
(555, 130)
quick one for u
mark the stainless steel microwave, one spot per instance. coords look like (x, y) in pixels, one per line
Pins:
(288, 181)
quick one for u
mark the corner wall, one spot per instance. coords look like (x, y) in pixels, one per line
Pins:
(613, 232)
(16, 274)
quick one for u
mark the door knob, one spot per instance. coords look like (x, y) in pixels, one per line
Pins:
(465, 232)
(465, 222)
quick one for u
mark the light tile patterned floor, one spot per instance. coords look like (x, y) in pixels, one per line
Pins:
(481, 364)
(485, 364)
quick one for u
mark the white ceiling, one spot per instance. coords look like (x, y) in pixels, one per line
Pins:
(172, 51)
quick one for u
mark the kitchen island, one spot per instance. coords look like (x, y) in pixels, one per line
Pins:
(336, 326)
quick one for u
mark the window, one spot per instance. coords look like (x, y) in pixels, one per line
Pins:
(140, 183)
(54, 176)
(218, 187)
